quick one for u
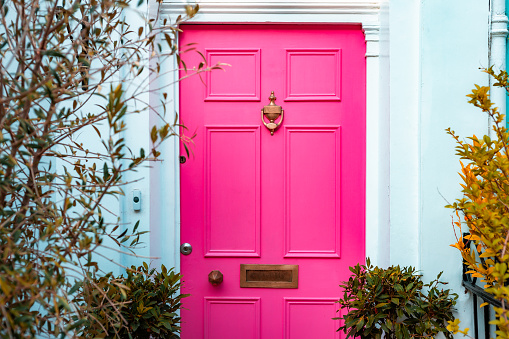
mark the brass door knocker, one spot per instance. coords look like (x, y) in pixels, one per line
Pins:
(272, 112)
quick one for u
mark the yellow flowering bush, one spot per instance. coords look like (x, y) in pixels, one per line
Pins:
(484, 208)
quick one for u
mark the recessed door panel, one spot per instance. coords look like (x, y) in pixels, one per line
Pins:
(241, 79)
(305, 316)
(232, 196)
(312, 173)
(313, 74)
(232, 318)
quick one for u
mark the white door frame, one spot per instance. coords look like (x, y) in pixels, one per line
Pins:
(165, 221)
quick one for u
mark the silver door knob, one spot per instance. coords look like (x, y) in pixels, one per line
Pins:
(186, 248)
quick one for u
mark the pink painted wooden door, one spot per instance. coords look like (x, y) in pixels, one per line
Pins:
(294, 198)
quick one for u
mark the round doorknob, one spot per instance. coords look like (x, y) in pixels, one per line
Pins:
(186, 248)
(215, 278)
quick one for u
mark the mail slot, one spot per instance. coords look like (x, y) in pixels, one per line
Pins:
(269, 276)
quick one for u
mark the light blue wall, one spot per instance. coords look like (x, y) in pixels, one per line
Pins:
(404, 131)
(158, 181)
(436, 49)
(454, 45)
(136, 136)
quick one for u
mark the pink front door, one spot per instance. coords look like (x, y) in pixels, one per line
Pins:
(294, 198)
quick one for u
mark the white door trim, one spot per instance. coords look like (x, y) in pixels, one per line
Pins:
(365, 13)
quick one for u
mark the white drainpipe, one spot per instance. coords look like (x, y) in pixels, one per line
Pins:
(498, 36)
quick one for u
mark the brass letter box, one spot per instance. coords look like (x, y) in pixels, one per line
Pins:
(269, 276)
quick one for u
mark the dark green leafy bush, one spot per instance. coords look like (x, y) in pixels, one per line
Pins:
(142, 305)
(396, 302)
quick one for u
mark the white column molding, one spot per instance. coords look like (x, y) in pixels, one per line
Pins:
(372, 34)
(498, 39)
(361, 12)
(377, 136)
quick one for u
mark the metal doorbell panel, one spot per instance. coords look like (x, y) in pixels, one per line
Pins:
(137, 200)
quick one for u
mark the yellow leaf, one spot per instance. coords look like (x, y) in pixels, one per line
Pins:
(5, 287)
(486, 254)
(472, 237)
(465, 331)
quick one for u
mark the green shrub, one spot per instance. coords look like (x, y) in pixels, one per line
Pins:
(396, 302)
(142, 305)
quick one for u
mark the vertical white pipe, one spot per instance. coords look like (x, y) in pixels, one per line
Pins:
(498, 36)
(498, 40)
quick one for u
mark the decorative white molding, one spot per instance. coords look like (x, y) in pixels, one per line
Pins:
(280, 11)
(361, 12)
(280, 7)
(372, 34)
(499, 25)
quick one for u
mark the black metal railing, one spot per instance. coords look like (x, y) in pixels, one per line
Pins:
(470, 283)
